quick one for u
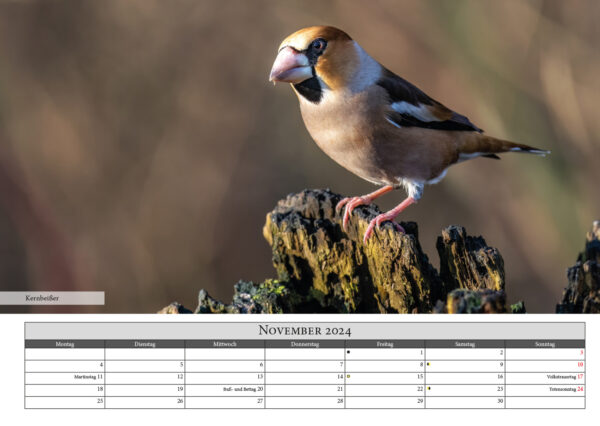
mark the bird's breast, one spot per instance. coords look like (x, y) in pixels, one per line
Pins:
(342, 126)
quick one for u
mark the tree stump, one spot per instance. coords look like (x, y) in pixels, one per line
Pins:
(582, 294)
(322, 268)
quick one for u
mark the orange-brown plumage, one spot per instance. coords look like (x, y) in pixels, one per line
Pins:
(374, 123)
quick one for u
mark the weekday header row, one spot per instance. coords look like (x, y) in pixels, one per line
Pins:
(304, 344)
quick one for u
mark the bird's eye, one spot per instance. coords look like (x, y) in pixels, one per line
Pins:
(319, 44)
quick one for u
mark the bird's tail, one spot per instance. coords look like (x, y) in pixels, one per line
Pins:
(486, 146)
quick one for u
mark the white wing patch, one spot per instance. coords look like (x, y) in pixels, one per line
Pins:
(539, 152)
(420, 112)
(438, 179)
(464, 157)
(393, 122)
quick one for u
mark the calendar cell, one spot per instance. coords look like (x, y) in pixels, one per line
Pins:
(385, 366)
(139, 354)
(465, 390)
(365, 402)
(465, 354)
(64, 402)
(466, 378)
(207, 378)
(545, 354)
(465, 366)
(392, 354)
(305, 402)
(225, 390)
(144, 378)
(195, 354)
(385, 378)
(314, 366)
(545, 390)
(65, 390)
(64, 354)
(144, 365)
(64, 366)
(80, 378)
(145, 401)
(229, 365)
(465, 402)
(307, 389)
(144, 390)
(383, 390)
(225, 403)
(545, 378)
(302, 354)
(533, 366)
(545, 402)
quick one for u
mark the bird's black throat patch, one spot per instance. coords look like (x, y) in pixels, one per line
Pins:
(310, 89)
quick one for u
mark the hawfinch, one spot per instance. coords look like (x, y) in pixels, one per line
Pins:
(373, 122)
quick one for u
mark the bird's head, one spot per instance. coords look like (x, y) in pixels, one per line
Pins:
(322, 52)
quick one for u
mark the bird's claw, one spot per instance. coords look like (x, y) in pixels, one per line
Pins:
(377, 221)
(351, 203)
(369, 231)
(341, 204)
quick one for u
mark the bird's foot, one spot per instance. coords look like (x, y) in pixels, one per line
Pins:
(384, 217)
(351, 203)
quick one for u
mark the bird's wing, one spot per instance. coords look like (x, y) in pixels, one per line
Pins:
(411, 107)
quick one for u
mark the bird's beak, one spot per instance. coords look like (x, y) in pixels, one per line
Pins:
(290, 66)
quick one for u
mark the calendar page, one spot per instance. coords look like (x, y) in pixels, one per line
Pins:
(307, 212)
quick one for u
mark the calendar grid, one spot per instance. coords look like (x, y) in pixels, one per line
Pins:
(365, 372)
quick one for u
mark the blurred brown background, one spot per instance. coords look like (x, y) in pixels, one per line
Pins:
(141, 144)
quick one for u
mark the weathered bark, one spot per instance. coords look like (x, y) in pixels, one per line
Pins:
(322, 268)
(467, 262)
(582, 294)
(333, 270)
